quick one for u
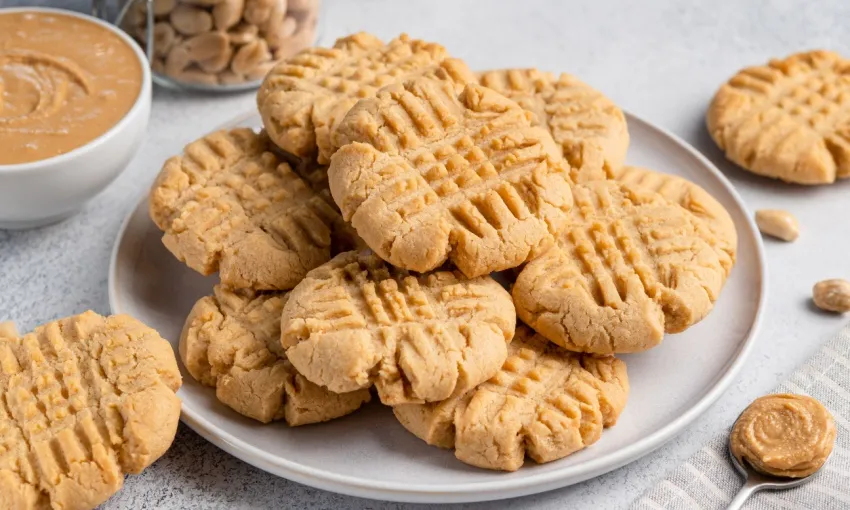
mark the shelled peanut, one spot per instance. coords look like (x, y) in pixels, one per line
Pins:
(223, 42)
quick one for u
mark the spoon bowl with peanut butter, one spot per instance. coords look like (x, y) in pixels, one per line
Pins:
(780, 442)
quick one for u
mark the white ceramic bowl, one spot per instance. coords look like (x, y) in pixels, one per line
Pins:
(46, 191)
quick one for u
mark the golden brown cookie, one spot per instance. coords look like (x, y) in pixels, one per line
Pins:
(427, 175)
(228, 204)
(696, 200)
(357, 321)
(545, 402)
(304, 97)
(590, 129)
(343, 236)
(231, 341)
(789, 119)
(631, 266)
(83, 401)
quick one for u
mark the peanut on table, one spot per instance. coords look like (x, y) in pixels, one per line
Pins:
(778, 223)
(832, 295)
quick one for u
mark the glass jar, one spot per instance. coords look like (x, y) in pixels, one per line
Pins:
(219, 45)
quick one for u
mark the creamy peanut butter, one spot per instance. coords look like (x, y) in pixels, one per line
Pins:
(64, 81)
(784, 435)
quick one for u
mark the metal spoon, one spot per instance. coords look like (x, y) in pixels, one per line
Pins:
(755, 481)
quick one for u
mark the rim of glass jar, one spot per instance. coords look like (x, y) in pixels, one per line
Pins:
(170, 83)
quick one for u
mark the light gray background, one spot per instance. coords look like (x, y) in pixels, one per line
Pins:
(661, 59)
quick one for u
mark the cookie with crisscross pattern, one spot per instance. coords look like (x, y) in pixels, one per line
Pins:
(229, 204)
(83, 401)
(303, 98)
(231, 341)
(696, 200)
(631, 266)
(545, 402)
(357, 321)
(590, 129)
(426, 175)
(789, 119)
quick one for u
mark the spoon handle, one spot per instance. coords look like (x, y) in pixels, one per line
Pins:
(750, 487)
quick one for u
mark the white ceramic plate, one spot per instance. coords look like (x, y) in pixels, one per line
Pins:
(369, 454)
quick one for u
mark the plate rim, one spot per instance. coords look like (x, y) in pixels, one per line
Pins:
(497, 488)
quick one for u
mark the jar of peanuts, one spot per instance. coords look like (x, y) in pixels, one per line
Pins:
(221, 45)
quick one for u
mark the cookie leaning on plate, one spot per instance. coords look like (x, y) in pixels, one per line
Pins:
(631, 266)
(545, 402)
(696, 200)
(229, 204)
(303, 98)
(356, 321)
(231, 341)
(427, 175)
(590, 129)
(789, 119)
(83, 401)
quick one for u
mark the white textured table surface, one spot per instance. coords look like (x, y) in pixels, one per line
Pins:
(659, 59)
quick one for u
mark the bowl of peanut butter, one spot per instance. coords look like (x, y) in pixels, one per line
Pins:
(75, 97)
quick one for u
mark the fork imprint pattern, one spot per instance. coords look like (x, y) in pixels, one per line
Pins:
(356, 321)
(426, 175)
(631, 266)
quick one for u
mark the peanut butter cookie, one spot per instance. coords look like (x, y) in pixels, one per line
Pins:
(304, 97)
(83, 401)
(696, 200)
(343, 236)
(789, 120)
(590, 129)
(228, 204)
(631, 266)
(231, 341)
(357, 321)
(426, 175)
(545, 402)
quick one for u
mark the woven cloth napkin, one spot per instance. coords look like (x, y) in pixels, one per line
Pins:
(707, 481)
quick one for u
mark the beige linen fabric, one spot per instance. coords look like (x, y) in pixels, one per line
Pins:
(707, 481)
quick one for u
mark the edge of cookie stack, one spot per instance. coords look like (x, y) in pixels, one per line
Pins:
(355, 238)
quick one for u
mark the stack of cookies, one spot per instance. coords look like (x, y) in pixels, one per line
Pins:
(394, 222)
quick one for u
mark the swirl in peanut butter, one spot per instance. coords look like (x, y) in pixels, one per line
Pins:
(64, 81)
(784, 435)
